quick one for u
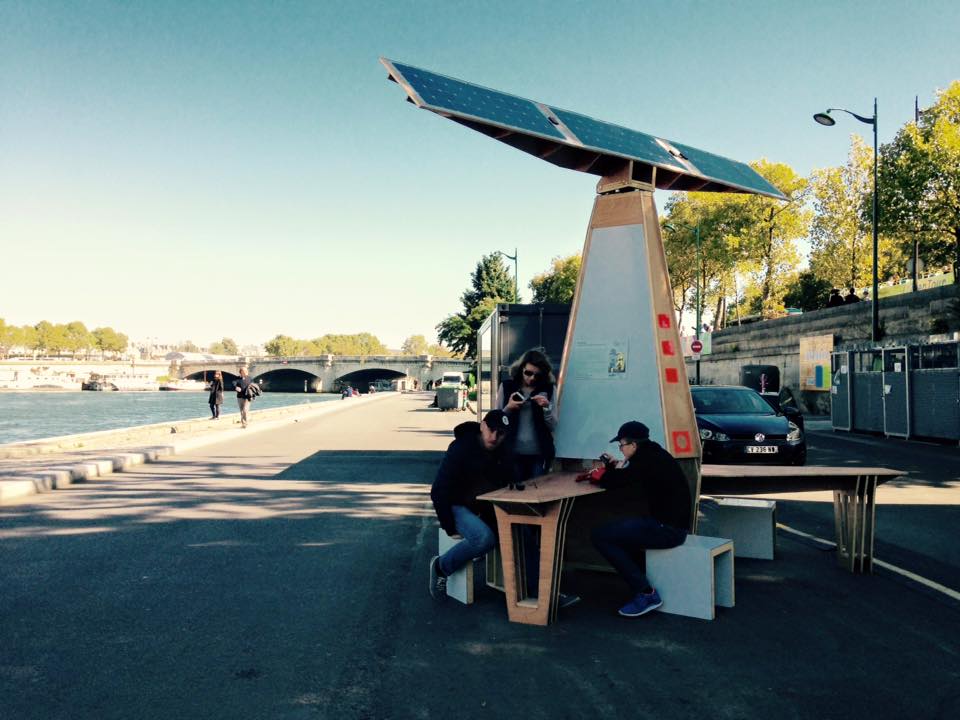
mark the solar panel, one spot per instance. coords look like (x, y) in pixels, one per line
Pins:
(439, 93)
(575, 141)
(623, 141)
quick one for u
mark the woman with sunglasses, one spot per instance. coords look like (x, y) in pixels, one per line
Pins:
(527, 397)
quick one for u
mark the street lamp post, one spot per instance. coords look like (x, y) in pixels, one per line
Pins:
(696, 330)
(825, 118)
(516, 287)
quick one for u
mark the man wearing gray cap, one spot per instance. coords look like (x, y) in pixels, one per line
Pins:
(476, 462)
(651, 491)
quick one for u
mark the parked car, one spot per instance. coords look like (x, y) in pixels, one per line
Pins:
(738, 426)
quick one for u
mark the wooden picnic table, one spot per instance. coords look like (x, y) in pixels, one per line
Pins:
(545, 502)
(854, 498)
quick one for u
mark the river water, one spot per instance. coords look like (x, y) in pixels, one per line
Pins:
(35, 415)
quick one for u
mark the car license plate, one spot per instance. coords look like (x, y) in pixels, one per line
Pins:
(761, 449)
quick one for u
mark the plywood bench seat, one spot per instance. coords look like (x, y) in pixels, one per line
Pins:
(693, 578)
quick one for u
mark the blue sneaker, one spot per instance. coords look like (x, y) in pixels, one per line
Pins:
(642, 604)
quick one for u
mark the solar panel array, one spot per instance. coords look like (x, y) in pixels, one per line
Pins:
(492, 110)
(478, 102)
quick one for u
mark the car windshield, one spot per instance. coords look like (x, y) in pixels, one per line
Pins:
(729, 401)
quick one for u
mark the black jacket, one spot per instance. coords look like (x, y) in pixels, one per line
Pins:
(469, 469)
(652, 484)
(544, 434)
(247, 389)
(216, 391)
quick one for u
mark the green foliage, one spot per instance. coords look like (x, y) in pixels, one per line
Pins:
(283, 346)
(490, 284)
(919, 186)
(415, 345)
(438, 350)
(739, 235)
(227, 346)
(358, 344)
(108, 340)
(808, 292)
(46, 337)
(187, 346)
(558, 284)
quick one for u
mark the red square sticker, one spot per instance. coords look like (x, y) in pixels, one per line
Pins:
(667, 347)
(663, 320)
(681, 442)
(672, 375)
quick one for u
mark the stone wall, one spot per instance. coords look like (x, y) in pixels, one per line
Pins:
(909, 318)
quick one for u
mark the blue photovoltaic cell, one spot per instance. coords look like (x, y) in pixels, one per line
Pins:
(726, 170)
(443, 93)
(468, 101)
(614, 138)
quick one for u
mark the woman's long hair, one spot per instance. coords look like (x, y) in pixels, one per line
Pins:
(538, 359)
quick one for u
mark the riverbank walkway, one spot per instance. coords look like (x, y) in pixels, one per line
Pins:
(283, 574)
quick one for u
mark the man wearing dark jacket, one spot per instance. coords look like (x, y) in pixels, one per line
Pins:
(476, 463)
(652, 493)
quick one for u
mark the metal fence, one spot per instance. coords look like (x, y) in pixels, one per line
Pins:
(907, 391)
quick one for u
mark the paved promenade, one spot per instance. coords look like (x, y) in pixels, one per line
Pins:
(283, 574)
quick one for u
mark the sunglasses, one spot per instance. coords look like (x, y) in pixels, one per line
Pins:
(530, 373)
(624, 444)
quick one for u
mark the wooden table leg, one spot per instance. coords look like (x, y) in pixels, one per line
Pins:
(551, 518)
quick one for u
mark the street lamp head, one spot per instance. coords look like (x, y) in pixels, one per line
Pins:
(825, 119)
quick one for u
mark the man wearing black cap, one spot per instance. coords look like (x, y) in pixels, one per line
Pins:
(476, 462)
(651, 491)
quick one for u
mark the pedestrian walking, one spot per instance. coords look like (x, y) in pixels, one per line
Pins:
(247, 390)
(216, 394)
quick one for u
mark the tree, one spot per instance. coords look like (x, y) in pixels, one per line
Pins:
(768, 233)
(841, 247)
(226, 346)
(43, 339)
(438, 350)
(281, 346)
(187, 346)
(919, 187)
(415, 345)
(558, 284)
(108, 340)
(809, 292)
(76, 337)
(490, 284)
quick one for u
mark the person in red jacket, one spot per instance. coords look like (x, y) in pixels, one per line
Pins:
(651, 491)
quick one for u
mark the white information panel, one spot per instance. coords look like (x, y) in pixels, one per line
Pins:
(611, 373)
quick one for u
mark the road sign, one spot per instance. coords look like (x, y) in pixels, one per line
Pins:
(696, 347)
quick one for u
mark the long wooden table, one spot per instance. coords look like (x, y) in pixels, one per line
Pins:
(854, 498)
(545, 502)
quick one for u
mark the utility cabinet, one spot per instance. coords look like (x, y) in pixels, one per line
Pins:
(511, 330)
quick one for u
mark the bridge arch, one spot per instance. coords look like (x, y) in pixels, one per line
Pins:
(207, 374)
(365, 377)
(289, 379)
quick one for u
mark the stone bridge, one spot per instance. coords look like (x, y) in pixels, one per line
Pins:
(327, 373)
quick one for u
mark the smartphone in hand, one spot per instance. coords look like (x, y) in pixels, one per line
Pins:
(517, 397)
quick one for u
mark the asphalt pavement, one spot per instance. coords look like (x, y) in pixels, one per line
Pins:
(283, 574)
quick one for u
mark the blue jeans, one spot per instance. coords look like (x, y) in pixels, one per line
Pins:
(478, 540)
(623, 543)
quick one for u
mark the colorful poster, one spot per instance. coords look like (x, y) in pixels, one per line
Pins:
(815, 362)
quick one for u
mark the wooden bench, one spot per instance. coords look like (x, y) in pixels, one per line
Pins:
(693, 578)
(750, 523)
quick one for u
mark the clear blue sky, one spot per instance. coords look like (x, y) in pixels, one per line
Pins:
(194, 170)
